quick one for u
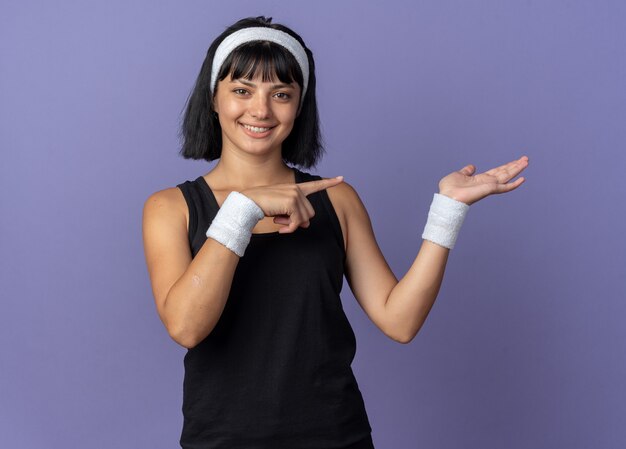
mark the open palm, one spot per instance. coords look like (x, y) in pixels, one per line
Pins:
(463, 186)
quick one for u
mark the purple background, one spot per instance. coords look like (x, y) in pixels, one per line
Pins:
(525, 346)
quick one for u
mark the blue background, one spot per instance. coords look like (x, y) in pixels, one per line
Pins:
(525, 346)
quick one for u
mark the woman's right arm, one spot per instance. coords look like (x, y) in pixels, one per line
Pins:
(190, 293)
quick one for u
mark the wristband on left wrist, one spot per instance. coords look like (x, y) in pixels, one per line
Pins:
(445, 217)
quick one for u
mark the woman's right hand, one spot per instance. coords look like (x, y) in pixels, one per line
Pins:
(288, 203)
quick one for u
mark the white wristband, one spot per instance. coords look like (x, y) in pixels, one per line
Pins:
(445, 218)
(234, 221)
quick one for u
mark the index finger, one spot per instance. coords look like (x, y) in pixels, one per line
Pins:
(511, 168)
(309, 187)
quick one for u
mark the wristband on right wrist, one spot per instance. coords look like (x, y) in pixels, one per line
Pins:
(445, 218)
(234, 221)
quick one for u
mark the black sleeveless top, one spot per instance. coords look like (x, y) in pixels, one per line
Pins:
(275, 372)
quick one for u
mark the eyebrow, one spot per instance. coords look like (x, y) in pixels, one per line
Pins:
(274, 86)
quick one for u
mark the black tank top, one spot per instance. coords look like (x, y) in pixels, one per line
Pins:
(275, 372)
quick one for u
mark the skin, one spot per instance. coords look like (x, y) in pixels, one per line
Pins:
(190, 294)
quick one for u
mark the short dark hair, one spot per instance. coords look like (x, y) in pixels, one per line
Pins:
(201, 133)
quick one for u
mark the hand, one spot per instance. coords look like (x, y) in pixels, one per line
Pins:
(287, 203)
(462, 186)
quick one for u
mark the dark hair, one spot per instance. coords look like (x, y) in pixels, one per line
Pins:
(201, 133)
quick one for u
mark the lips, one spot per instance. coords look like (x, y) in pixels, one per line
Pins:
(257, 131)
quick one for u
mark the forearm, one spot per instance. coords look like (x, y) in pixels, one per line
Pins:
(196, 301)
(411, 300)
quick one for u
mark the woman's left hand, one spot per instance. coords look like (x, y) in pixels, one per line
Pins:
(462, 186)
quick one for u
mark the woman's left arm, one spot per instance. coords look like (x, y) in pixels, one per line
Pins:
(400, 308)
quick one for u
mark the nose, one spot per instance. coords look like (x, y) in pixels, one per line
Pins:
(260, 107)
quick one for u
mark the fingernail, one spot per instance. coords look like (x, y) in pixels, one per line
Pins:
(338, 177)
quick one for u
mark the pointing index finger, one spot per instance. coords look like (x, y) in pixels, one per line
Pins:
(309, 187)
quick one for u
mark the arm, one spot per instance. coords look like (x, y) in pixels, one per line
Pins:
(190, 294)
(398, 309)
(410, 301)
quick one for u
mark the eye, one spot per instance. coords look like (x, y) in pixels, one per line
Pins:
(240, 91)
(283, 96)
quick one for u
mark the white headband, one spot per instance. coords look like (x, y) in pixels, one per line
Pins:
(244, 35)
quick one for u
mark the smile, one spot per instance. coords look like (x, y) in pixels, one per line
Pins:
(256, 129)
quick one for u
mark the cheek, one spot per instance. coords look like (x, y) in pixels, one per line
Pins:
(225, 105)
(288, 117)
(228, 108)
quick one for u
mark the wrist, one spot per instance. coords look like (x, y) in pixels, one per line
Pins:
(234, 221)
(445, 217)
(452, 195)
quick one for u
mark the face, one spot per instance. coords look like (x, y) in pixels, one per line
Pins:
(255, 116)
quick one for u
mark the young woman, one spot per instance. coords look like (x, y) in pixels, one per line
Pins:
(247, 261)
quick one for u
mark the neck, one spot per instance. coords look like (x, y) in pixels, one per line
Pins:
(234, 172)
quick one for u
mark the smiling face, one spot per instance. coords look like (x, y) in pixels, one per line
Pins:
(256, 116)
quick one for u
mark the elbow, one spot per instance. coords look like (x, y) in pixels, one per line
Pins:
(406, 338)
(187, 344)
(182, 341)
(188, 338)
(400, 334)
(402, 339)
(177, 332)
(183, 338)
(181, 332)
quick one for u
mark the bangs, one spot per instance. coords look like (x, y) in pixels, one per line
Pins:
(262, 58)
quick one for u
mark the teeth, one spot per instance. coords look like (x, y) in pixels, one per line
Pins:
(255, 129)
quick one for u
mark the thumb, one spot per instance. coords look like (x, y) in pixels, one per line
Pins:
(468, 169)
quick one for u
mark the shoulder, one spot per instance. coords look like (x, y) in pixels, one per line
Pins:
(168, 203)
(348, 206)
(344, 195)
